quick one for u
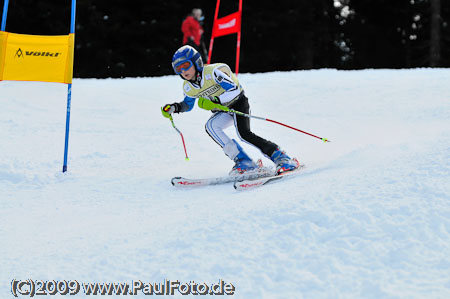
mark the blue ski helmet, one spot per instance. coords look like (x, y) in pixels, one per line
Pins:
(187, 54)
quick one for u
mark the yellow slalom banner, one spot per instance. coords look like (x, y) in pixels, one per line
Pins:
(36, 57)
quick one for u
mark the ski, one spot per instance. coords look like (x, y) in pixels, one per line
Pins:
(253, 183)
(181, 182)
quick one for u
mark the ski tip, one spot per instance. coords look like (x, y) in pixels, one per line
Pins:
(173, 180)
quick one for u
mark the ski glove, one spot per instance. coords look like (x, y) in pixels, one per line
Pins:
(207, 104)
(168, 109)
(215, 99)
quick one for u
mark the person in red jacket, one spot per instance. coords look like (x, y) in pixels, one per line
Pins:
(193, 31)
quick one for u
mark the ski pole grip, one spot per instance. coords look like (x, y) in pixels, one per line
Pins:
(207, 104)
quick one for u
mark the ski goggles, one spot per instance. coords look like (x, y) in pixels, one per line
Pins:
(183, 66)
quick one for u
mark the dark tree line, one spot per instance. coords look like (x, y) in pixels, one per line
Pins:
(129, 38)
(398, 34)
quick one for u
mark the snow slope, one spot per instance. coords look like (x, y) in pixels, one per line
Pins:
(368, 218)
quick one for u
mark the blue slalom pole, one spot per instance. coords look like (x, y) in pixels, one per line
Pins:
(5, 14)
(66, 143)
(72, 18)
(69, 94)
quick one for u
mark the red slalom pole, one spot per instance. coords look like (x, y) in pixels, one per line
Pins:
(238, 45)
(211, 43)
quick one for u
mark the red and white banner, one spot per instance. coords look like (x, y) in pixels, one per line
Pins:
(227, 25)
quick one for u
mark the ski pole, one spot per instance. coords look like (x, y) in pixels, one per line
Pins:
(209, 105)
(182, 138)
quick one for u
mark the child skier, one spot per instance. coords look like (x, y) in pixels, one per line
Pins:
(217, 83)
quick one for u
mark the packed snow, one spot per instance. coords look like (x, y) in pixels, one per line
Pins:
(369, 217)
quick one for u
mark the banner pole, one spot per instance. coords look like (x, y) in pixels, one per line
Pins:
(211, 43)
(5, 14)
(72, 16)
(69, 94)
(238, 46)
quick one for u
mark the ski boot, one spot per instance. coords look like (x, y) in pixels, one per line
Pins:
(243, 162)
(283, 162)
